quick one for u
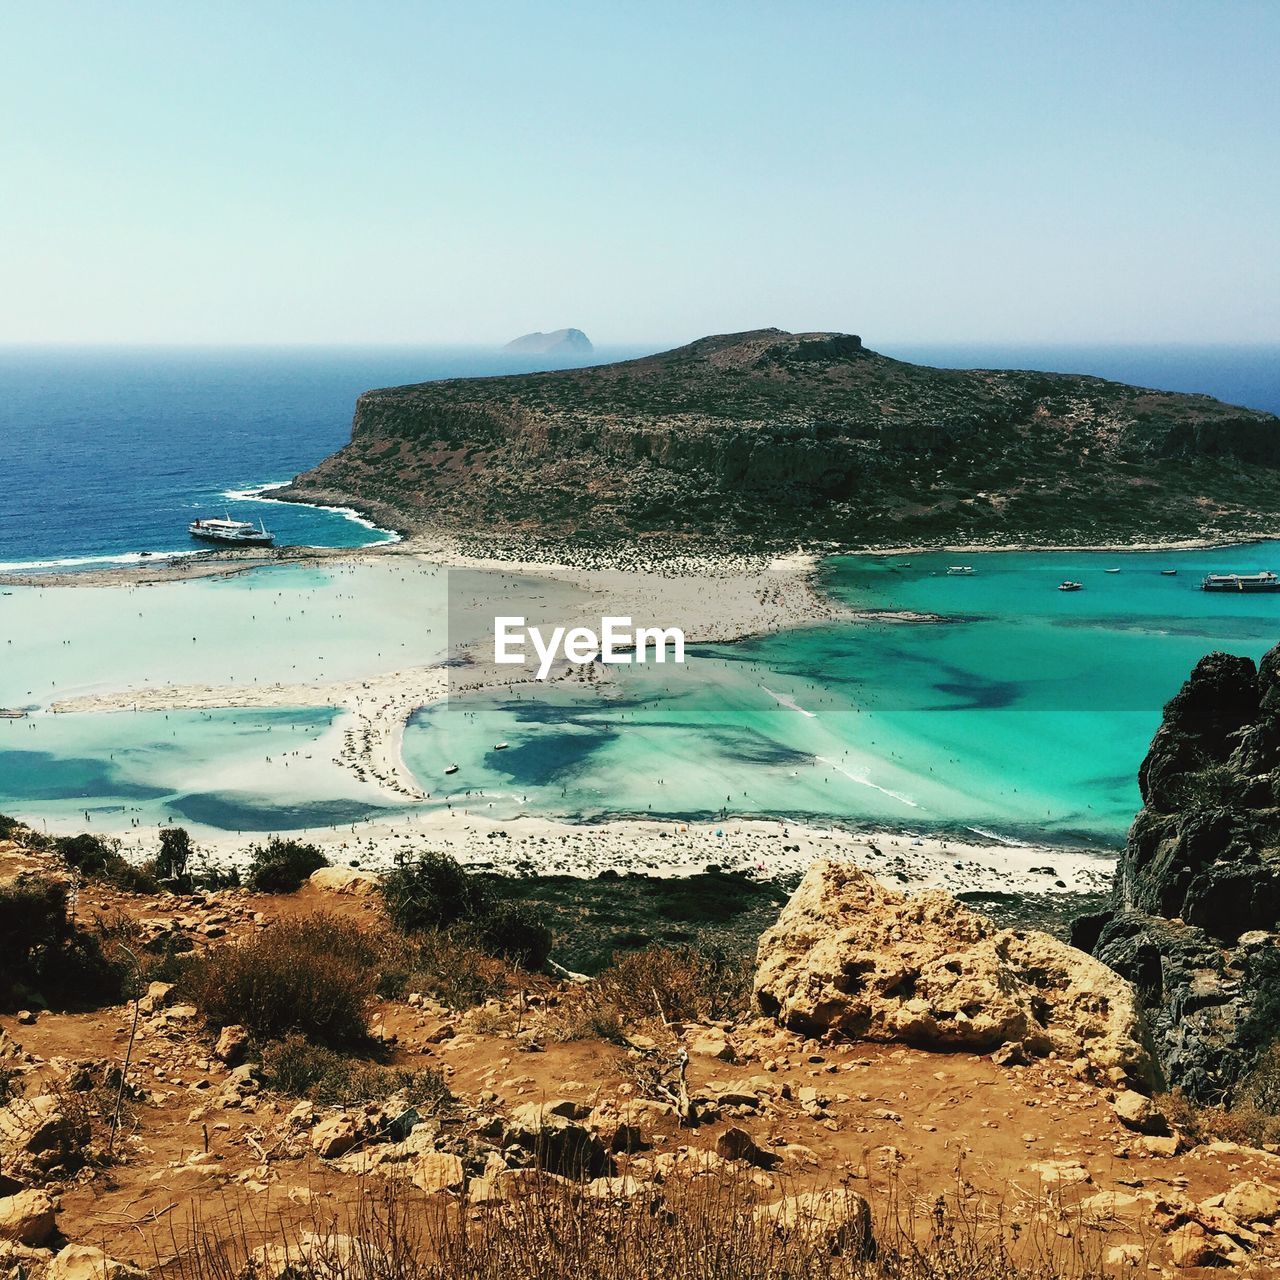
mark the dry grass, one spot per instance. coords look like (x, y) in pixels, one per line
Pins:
(702, 1229)
(1253, 1119)
(303, 1070)
(314, 976)
(675, 984)
(448, 966)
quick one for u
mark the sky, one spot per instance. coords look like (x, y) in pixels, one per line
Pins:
(455, 173)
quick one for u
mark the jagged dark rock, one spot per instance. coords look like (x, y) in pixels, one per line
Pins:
(1196, 903)
(769, 437)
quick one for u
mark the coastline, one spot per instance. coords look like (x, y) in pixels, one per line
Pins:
(716, 596)
(765, 848)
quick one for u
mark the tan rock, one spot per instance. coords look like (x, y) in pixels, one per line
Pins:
(712, 1042)
(1062, 1172)
(1252, 1202)
(738, 1144)
(839, 1220)
(335, 1137)
(1140, 1114)
(233, 1043)
(1122, 1256)
(33, 1125)
(438, 1171)
(159, 996)
(849, 955)
(1162, 1148)
(84, 1262)
(348, 880)
(27, 1218)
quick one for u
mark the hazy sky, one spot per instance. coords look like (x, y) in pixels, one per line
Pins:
(457, 172)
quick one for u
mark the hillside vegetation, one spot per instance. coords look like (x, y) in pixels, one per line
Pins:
(771, 437)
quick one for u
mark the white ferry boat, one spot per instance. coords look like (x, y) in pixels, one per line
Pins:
(1247, 582)
(960, 571)
(233, 533)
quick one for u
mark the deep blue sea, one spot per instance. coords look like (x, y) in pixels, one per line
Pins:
(105, 453)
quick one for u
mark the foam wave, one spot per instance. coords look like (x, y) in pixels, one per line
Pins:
(866, 782)
(79, 562)
(790, 703)
(262, 493)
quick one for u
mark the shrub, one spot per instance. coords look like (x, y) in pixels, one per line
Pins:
(679, 984)
(445, 964)
(314, 976)
(304, 1070)
(517, 934)
(281, 866)
(90, 855)
(99, 858)
(11, 828)
(43, 950)
(175, 856)
(429, 891)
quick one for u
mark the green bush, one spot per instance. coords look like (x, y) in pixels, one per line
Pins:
(44, 952)
(175, 856)
(281, 866)
(90, 855)
(313, 976)
(99, 858)
(429, 891)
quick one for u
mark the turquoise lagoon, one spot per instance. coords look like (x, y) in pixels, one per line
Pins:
(1023, 712)
(232, 769)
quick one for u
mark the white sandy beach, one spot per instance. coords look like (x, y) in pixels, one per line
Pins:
(710, 598)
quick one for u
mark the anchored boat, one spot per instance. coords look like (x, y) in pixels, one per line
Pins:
(960, 571)
(1246, 582)
(1070, 586)
(231, 533)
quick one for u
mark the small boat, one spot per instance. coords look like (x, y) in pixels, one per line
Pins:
(1251, 583)
(231, 533)
(1168, 573)
(501, 746)
(453, 768)
(960, 571)
(1071, 586)
(1111, 571)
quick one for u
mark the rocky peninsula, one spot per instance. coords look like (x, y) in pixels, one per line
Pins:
(770, 438)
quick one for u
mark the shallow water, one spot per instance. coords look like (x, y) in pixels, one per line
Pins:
(1024, 714)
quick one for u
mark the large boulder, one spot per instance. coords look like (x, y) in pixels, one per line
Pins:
(849, 956)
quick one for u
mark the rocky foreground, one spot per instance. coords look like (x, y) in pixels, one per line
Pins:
(905, 1075)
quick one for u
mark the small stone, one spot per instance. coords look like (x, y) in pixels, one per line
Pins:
(233, 1043)
(84, 1262)
(335, 1137)
(1252, 1202)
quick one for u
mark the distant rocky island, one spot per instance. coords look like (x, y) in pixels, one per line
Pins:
(558, 342)
(770, 438)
